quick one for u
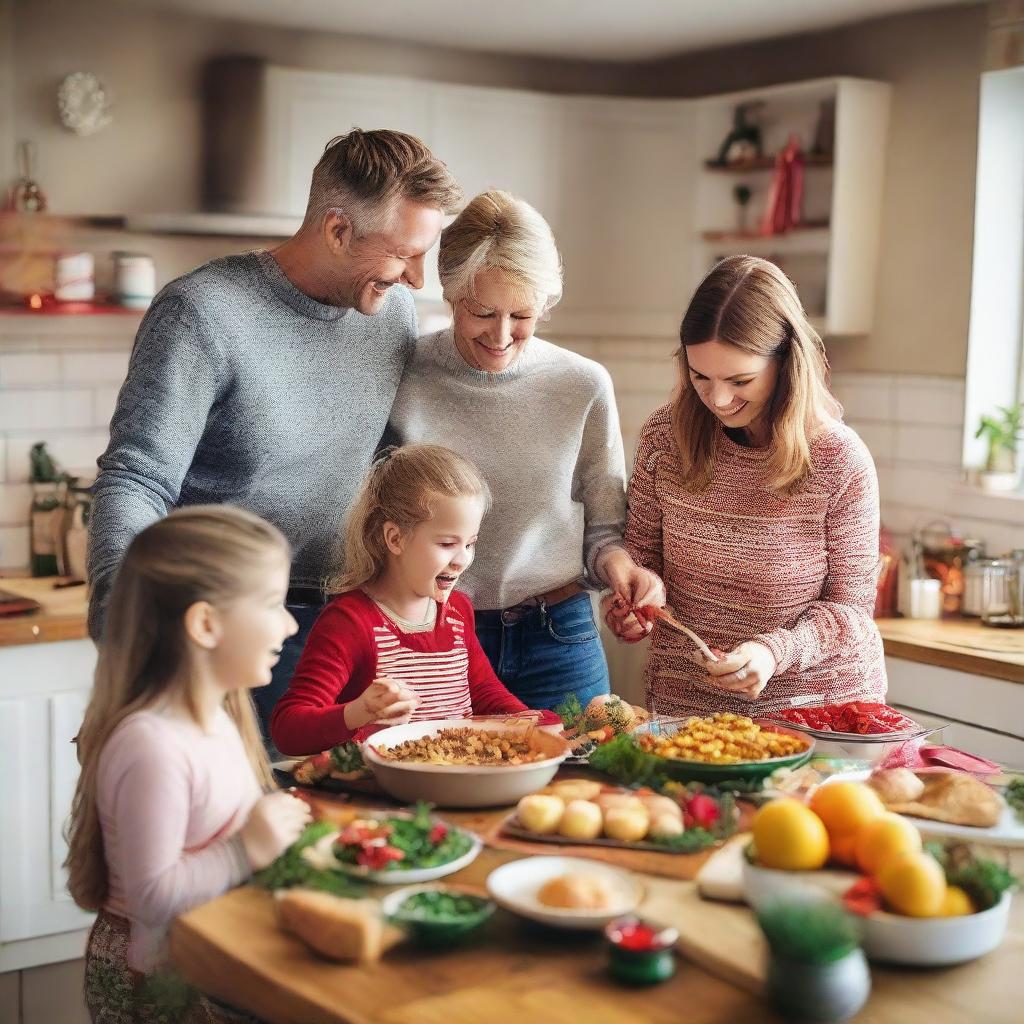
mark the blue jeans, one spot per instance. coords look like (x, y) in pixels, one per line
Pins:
(544, 654)
(267, 696)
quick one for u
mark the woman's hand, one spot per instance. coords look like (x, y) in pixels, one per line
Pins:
(385, 700)
(745, 670)
(623, 621)
(636, 586)
(274, 823)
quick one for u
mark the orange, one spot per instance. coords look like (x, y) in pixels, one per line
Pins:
(883, 838)
(790, 836)
(843, 850)
(846, 807)
(913, 884)
(956, 903)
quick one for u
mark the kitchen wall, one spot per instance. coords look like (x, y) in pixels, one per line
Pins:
(902, 384)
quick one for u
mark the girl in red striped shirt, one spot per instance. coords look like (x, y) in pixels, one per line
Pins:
(397, 643)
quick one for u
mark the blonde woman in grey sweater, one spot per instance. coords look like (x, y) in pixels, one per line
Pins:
(541, 424)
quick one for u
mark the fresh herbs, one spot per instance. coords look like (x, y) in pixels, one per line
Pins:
(625, 762)
(439, 905)
(347, 757)
(983, 879)
(808, 931)
(1015, 797)
(291, 868)
(570, 711)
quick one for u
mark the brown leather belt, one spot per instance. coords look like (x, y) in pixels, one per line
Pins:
(550, 598)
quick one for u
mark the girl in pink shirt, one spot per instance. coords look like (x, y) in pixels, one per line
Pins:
(397, 643)
(759, 508)
(172, 806)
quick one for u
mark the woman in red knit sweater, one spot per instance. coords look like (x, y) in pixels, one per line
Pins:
(759, 509)
(397, 643)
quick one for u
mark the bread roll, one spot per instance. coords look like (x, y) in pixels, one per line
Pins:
(575, 892)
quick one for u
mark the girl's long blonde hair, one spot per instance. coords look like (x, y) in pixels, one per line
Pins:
(750, 303)
(398, 489)
(203, 553)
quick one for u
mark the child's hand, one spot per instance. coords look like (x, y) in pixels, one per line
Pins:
(275, 822)
(385, 700)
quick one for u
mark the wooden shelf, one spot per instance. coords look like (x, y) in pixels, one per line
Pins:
(228, 225)
(757, 236)
(764, 163)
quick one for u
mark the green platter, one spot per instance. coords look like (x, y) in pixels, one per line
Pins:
(702, 771)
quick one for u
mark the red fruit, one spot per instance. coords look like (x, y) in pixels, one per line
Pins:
(703, 810)
(863, 897)
(438, 832)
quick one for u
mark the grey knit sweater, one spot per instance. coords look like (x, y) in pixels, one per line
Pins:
(243, 390)
(545, 434)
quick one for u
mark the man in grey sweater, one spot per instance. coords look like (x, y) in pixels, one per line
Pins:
(265, 380)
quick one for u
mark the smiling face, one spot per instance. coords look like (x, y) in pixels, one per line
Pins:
(736, 386)
(428, 560)
(251, 630)
(371, 264)
(493, 325)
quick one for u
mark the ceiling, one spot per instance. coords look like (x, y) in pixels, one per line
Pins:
(606, 30)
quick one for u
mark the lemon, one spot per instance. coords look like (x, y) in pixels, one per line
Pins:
(913, 884)
(886, 837)
(846, 807)
(956, 903)
(790, 836)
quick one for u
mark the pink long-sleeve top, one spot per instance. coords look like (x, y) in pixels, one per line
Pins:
(740, 562)
(171, 799)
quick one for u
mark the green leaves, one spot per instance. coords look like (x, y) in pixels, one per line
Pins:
(808, 931)
(983, 879)
(291, 868)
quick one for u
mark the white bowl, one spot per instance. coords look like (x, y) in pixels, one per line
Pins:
(515, 885)
(887, 938)
(462, 785)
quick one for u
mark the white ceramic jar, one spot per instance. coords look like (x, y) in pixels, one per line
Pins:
(134, 279)
(73, 277)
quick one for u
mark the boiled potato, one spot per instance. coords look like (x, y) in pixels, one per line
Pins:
(657, 805)
(581, 820)
(627, 824)
(663, 826)
(575, 789)
(606, 801)
(540, 812)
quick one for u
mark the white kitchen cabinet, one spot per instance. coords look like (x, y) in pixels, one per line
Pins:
(623, 182)
(833, 261)
(625, 215)
(44, 690)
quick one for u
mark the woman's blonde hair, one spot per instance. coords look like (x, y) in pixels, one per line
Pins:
(750, 303)
(399, 489)
(496, 231)
(210, 553)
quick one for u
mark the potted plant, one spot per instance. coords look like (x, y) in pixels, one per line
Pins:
(1001, 432)
(816, 969)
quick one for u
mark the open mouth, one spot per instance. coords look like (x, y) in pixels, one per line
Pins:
(382, 286)
(445, 580)
(496, 351)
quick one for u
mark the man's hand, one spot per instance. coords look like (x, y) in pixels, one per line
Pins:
(744, 670)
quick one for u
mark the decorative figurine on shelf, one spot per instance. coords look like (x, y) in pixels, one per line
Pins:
(825, 130)
(83, 103)
(27, 196)
(783, 210)
(742, 194)
(743, 143)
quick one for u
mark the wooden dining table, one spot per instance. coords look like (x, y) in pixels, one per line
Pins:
(518, 972)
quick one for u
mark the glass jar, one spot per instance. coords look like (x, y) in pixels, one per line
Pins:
(640, 953)
(1003, 592)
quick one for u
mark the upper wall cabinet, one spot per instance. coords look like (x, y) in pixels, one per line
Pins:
(627, 185)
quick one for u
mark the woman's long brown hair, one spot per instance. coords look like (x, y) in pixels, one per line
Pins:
(203, 553)
(750, 303)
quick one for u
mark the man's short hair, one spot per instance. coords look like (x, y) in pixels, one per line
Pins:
(366, 174)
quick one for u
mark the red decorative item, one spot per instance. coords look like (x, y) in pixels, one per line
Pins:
(863, 897)
(786, 196)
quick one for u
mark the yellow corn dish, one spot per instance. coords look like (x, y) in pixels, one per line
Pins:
(724, 738)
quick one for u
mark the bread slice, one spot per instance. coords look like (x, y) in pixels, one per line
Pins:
(954, 798)
(337, 928)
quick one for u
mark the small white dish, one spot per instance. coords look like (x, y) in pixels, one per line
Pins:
(515, 886)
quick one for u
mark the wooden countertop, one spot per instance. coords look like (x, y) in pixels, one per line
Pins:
(62, 616)
(962, 644)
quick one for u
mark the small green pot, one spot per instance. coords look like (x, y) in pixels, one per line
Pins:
(819, 992)
(640, 966)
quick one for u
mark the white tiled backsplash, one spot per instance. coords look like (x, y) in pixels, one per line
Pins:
(59, 379)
